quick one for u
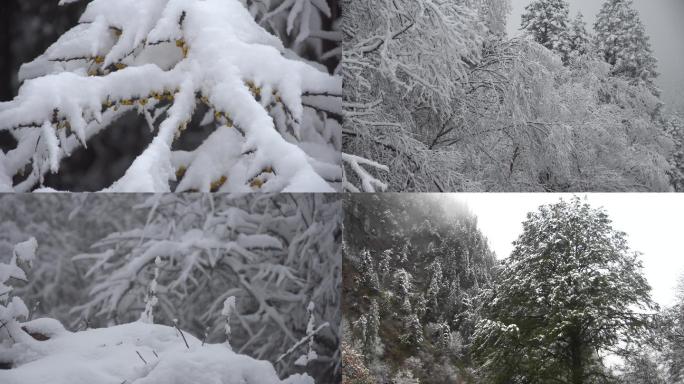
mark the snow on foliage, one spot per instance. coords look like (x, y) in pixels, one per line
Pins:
(415, 265)
(12, 307)
(570, 290)
(151, 297)
(438, 99)
(547, 22)
(415, 49)
(135, 353)
(274, 254)
(227, 313)
(622, 41)
(301, 22)
(167, 59)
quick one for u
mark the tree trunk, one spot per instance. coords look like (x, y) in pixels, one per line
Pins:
(577, 363)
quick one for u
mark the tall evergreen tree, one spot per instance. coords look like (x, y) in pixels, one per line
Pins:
(580, 40)
(547, 21)
(570, 289)
(622, 41)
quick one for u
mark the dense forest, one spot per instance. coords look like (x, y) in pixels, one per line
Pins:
(414, 266)
(437, 97)
(426, 301)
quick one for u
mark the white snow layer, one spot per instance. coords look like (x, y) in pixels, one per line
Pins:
(182, 52)
(135, 353)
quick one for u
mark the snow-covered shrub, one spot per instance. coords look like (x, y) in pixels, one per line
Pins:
(275, 254)
(271, 117)
(13, 308)
(134, 353)
(66, 225)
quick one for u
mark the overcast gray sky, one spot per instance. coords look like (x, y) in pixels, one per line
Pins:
(663, 21)
(653, 223)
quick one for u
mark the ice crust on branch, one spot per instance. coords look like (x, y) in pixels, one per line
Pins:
(163, 59)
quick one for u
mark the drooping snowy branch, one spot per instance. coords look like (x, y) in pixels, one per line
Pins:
(272, 254)
(166, 60)
(436, 92)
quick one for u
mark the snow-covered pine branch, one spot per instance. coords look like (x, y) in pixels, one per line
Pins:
(274, 117)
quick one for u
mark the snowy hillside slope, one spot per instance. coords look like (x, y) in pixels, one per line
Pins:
(273, 116)
(134, 353)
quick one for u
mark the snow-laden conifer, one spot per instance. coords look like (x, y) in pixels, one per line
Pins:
(268, 111)
(622, 41)
(570, 292)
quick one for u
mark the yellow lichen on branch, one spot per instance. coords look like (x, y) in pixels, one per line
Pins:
(180, 172)
(256, 183)
(216, 185)
(259, 180)
(180, 43)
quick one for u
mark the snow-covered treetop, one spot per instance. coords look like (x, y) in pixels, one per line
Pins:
(580, 40)
(547, 22)
(167, 59)
(622, 41)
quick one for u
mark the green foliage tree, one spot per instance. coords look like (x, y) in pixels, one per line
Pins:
(571, 290)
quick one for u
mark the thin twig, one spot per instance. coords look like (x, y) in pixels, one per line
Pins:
(182, 335)
(302, 342)
(4, 325)
(141, 358)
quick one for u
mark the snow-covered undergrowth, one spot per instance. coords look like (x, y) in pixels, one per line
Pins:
(177, 258)
(274, 117)
(134, 353)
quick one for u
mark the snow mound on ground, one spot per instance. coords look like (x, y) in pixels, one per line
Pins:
(135, 353)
